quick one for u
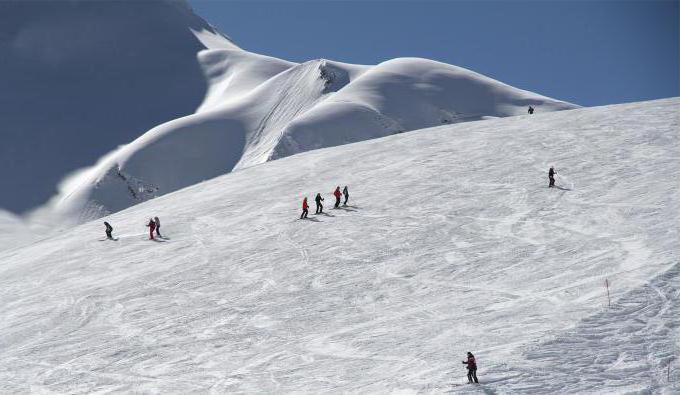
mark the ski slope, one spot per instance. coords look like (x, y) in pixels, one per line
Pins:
(452, 242)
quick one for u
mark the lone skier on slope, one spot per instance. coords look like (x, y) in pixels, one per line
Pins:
(158, 226)
(151, 225)
(305, 208)
(471, 367)
(109, 229)
(346, 193)
(531, 110)
(551, 177)
(337, 195)
(319, 207)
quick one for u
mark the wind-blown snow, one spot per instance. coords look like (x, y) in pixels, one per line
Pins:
(452, 242)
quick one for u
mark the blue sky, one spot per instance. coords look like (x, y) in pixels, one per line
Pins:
(587, 52)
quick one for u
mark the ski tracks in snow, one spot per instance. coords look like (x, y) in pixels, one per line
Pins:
(625, 348)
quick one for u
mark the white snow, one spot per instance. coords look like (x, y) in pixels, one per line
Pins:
(79, 78)
(452, 242)
(109, 104)
(259, 108)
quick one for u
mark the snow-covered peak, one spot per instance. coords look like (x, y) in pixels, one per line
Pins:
(79, 78)
(260, 108)
(96, 75)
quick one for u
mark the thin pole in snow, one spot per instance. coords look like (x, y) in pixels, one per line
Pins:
(606, 284)
(668, 374)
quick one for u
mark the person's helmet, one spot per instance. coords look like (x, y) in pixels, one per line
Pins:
(469, 353)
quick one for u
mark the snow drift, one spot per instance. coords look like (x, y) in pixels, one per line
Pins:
(456, 246)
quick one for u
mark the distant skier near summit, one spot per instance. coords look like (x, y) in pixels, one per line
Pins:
(346, 193)
(531, 110)
(337, 195)
(551, 177)
(109, 229)
(305, 209)
(319, 207)
(152, 226)
(471, 367)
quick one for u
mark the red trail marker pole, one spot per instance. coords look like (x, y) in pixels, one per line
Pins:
(606, 284)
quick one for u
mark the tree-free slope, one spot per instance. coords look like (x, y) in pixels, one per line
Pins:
(260, 108)
(452, 242)
(79, 78)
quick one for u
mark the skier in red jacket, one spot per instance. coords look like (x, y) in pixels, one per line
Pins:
(305, 208)
(471, 367)
(337, 195)
(152, 226)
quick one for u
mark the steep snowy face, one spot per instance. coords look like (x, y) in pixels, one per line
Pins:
(451, 242)
(260, 108)
(79, 78)
(402, 95)
(85, 77)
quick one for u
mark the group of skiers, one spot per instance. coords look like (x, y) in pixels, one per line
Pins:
(318, 199)
(154, 224)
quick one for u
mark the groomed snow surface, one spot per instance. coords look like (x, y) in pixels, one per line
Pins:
(452, 242)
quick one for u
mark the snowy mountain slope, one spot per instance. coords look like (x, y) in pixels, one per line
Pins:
(259, 108)
(79, 78)
(406, 94)
(458, 245)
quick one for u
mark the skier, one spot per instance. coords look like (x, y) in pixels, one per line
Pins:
(551, 177)
(319, 206)
(109, 229)
(158, 226)
(471, 367)
(305, 208)
(151, 225)
(346, 193)
(337, 195)
(531, 110)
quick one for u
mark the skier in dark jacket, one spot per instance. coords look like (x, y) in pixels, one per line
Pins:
(305, 209)
(346, 193)
(152, 226)
(319, 207)
(109, 229)
(551, 177)
(337, 195)
(471, 367)
(158, 226)
(531, 110)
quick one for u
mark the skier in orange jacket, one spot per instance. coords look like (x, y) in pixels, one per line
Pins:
(337, 195)
(305, 208)
(152, 226)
